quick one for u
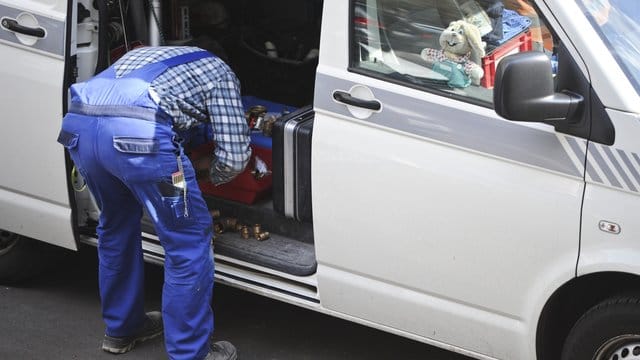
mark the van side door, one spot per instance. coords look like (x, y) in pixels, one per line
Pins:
(434, 216)
(34, 200)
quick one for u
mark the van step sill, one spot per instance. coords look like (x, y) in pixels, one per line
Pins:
(279, 253)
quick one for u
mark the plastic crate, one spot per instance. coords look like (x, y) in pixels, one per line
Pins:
(519, 43)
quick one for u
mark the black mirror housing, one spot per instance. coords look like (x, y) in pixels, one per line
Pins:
(524, 90)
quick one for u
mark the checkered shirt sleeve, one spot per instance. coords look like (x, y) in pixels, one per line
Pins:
(196, 92)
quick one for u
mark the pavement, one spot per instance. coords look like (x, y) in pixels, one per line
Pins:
(57, 316)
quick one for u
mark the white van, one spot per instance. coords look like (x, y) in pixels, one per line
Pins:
(494, 218)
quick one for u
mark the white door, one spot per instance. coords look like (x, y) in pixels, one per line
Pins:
(33, 190)
(433, 216)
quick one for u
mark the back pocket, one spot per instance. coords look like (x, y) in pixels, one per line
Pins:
(133, 145)
(67, 139)
(138, 158)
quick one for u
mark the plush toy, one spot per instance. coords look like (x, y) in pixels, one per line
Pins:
(460, 54)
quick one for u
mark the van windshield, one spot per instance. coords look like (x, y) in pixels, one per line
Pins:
(618, 23)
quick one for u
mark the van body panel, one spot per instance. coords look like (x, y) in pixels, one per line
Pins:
(603, 251)
(34, 184)
(448, 205)
(415, 247)
(611, 198)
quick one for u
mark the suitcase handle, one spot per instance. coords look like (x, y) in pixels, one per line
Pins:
(346, 98)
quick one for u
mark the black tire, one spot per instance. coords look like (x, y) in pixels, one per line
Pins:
(608, 331)
(22, 258)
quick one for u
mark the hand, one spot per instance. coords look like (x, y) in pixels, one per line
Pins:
(202, 168)
(203, 163)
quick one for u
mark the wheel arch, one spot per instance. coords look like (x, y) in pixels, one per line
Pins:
(573, 299)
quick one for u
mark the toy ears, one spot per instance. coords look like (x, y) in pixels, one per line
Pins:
(474, 39)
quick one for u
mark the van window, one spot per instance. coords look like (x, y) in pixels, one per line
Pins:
(618, 24)
(450, 46)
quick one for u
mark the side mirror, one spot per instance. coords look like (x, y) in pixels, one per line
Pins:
(524, 90)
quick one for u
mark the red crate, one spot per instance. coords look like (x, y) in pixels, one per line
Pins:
(519, 43)
(245, 188)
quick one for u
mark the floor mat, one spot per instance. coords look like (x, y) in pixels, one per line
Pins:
(278, 253)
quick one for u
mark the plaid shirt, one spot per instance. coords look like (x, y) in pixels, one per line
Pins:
(196, 92)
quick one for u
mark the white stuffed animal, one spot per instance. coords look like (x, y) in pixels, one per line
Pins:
(461, 53)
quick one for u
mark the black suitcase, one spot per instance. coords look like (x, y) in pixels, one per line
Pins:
(292, 164)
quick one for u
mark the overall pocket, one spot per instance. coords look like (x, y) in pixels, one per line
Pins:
(67, 139)
(70, 141)
(139, 159)
(178, 213)
(136, 145)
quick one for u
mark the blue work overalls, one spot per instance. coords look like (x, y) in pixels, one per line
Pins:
(124, 146)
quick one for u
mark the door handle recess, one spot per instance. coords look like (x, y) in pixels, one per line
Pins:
(346, 98)
(13, 25)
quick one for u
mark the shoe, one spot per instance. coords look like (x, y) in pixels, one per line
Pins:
(120, 345)
(222, 350)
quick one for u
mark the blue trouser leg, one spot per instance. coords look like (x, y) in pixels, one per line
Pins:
(188, 283)
(125, 171)
(121, 267)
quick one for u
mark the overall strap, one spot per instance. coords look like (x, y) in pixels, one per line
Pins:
(186, 58)
(151, 71)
